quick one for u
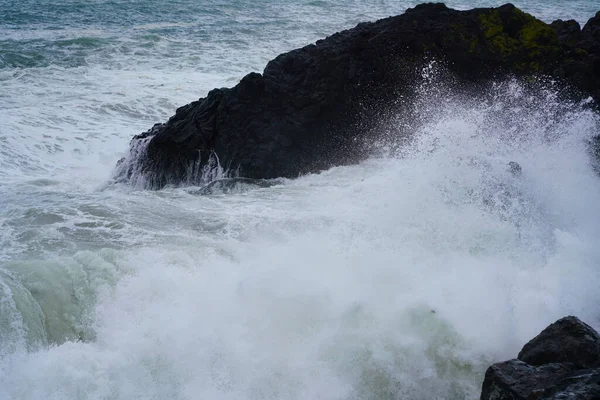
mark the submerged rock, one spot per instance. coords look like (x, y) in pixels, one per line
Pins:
(515, 168)
(233, 185)
(562, 362)
(318, 106)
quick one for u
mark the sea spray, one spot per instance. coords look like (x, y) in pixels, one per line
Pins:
(200, 171)
(402, 277)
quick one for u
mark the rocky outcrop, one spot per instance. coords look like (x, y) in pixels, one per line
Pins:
(562, 362)
(318, 106)
(568, 340)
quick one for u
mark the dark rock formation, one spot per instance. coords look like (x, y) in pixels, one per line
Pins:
(515, 379)
(318, 106)
(562, 362)
(566, 340)
(581, 385)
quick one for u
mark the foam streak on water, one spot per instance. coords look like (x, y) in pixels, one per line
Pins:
(403, 277)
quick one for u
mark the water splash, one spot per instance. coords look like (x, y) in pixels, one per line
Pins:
(199, 172)
(402, 277)
(202, 172)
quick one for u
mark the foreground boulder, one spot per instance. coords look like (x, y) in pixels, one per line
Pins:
(318, 106)
(562, 362)
(568, 340)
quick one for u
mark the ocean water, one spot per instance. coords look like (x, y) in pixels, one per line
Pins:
(403, 277)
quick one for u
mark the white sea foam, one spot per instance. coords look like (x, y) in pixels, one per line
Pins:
(403, 277)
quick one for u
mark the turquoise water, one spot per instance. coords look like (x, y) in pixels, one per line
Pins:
(402, 277)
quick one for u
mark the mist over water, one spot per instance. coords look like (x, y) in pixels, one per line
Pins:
(403, 277)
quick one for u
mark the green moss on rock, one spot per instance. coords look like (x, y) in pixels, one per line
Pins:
(491, 24)
(513, 35)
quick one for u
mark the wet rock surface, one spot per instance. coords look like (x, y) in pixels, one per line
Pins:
(318, 106)
(566, 340)
(562, 362)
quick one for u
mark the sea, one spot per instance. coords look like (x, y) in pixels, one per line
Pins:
(403, 277)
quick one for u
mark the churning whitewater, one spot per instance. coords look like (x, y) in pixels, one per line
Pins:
(403, 277)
